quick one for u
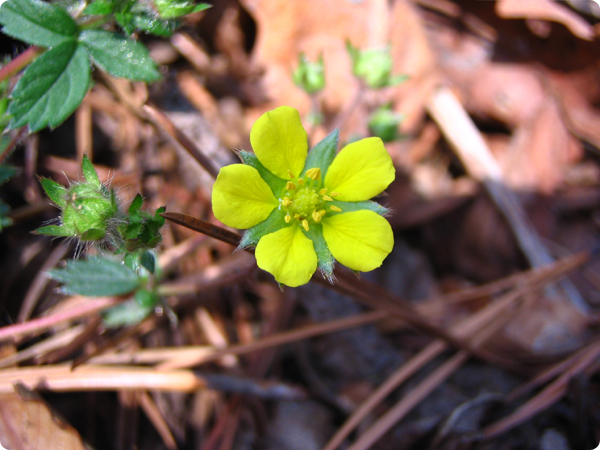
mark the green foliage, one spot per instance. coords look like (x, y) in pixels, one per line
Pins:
(5, 173)
(96, 277)
(127, 313)
(119, 55)
(384, 124)
(37, 22)
(374, 66)
(54, 84)
(310, 76)
(51, 88)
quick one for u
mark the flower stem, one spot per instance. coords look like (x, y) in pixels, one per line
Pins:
(17, 64)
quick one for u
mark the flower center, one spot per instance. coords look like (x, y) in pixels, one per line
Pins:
(305, 201)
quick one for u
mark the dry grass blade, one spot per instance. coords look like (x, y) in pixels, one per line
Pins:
(157, 420)
(190, 357)
(62, 378)
(548, 396)
(37, 326)
(479, 320)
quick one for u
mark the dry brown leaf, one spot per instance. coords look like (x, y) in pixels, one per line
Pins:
(26, 423)
(545, 10)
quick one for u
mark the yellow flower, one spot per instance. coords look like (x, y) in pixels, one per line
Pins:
(305, 210)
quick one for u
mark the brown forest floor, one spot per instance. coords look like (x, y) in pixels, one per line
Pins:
(468, 337)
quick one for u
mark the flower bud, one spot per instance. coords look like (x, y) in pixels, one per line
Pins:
(310, 76)
(384, 123)
(374, 66)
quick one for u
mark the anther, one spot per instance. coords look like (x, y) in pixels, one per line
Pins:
(316, 216)
(327, 198)
(322, 213)
(314, 173)
(286, 202)
(297, 216)
(291, 174)
(287, 218)
(289, 186)
(301, 182)
(334, 194)
(323, 191)
(335, 208)
(305, 224)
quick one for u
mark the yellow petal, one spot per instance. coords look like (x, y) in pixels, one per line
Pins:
(361, 170)
(288, 255)
(360, 240)
(279, 142)
(241, 198)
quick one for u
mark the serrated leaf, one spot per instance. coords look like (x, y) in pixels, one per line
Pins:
(96, 277)
(37, 22)
(119, 55)
(56, 192)
(51, 88)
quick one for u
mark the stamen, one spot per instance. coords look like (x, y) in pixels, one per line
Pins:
(334, 194)
(291, 174)
(286, 202)
(316, 216)
(314, 173)
(335, 208)
(289, 186)
(305, 224)
(287, 218)
(322, 213)
(327, 198)
(323, 191)
(301, 182)
(297, 216)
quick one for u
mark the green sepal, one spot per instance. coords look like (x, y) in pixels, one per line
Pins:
(56, 192)
(326, 261)
(54, 230)
(276, 184)
(322, 155)
(93, 234)
(89, 172)
(275, 221)
(134, 208)
(357, 206)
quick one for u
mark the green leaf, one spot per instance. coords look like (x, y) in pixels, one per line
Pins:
(119, 55)
(37, 22)
(56, 192)
(134, 208)
(127, 313)
(4, 221)
(153, 25)
(171, 9)
(96, 277)
(89, 172)
(322, 154)
(99, 8)
(148, 261)
(51, 88)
